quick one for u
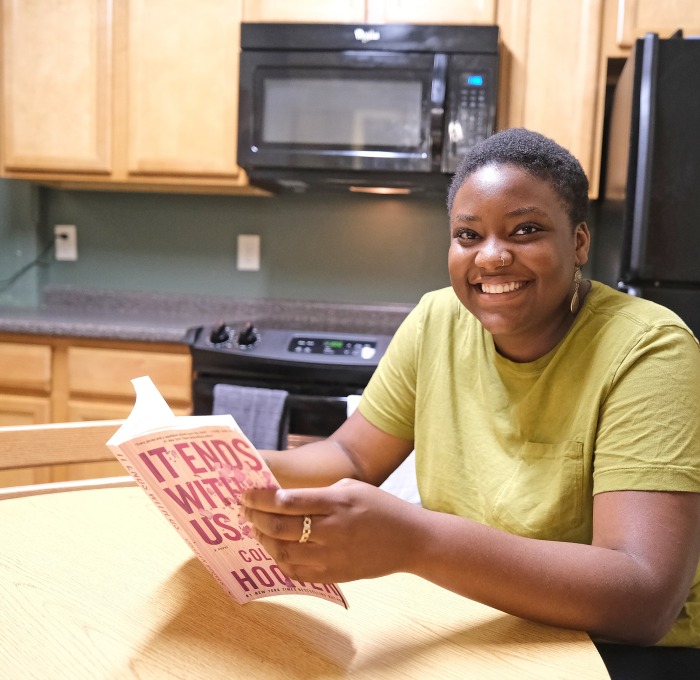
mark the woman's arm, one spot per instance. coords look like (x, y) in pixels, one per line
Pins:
(357, 450)
(628, 586)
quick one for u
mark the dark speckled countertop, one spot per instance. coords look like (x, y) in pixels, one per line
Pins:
(161, 317)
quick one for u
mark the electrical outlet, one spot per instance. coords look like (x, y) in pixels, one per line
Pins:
(66, 241)
(248, 253)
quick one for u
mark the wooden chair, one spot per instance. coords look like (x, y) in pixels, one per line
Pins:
(27, 446)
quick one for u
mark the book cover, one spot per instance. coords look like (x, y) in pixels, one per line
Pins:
(194, 468)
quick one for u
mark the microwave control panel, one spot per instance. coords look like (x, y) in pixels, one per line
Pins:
(470, 109)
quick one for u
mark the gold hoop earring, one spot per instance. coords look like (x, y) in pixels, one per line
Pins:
(574, 299)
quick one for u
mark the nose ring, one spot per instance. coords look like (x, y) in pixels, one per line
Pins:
(503, 262)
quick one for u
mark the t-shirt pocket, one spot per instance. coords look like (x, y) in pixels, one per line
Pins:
(542, 498)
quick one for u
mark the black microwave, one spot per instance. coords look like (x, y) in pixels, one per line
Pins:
(368, 107)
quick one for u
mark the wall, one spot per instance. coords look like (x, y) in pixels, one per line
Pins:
(20, 234)
(319, 247)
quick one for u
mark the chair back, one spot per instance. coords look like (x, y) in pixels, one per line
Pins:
(29, 446)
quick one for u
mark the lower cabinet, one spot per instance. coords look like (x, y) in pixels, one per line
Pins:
(47, 379)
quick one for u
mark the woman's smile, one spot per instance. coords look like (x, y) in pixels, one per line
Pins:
(500, 288)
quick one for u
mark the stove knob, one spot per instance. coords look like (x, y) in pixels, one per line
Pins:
(248, 336)
(220, 334)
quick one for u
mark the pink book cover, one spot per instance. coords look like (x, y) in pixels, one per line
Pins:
(194, 469)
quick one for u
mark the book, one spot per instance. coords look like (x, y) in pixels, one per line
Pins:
(194, 469)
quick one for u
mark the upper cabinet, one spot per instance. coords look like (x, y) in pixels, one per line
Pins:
(181, 87)
(550, 52)
(309, 11)
(138, 92)
(637, 17)
(371, 11)
(57, 86)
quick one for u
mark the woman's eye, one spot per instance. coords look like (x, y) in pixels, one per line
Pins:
(466, 235)
(525, 229)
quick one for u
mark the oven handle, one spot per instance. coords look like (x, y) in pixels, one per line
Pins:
(302, 399)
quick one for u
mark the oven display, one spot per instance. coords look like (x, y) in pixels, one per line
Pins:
(332, 347)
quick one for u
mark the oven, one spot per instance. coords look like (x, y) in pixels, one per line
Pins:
(318, 370)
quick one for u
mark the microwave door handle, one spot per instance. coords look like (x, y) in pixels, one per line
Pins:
(437, 108)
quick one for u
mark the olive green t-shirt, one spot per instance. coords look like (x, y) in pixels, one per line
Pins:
(524, 447)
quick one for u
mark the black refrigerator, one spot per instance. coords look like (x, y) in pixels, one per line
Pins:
(647, 237)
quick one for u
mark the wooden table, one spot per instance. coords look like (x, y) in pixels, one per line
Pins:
(96, 585)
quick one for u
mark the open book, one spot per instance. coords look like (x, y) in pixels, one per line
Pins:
(194, 469)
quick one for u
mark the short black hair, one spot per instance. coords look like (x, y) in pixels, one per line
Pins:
(536, 154)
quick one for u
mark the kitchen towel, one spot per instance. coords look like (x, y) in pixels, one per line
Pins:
(402, 481)
(259, 412)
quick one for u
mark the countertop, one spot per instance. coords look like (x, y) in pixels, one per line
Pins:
(164, 317)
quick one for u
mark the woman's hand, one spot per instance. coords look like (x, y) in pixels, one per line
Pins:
(357, 530)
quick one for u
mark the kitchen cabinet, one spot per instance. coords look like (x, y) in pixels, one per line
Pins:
(140, 94)
(51, 379)
(25, 383)
(635, 18)
(371, 11)
(550, 56)
(181, 87)
(25, 391)
(309, 11)
(57, 93)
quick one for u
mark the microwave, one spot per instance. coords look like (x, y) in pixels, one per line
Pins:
(386, 108)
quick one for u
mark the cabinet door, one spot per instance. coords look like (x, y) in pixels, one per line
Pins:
(308, 11)
(435, 12)
(182, 87)
(106, 373)
(56, 100)
(23, 410)
(549, 74)
(25, 367)
(82, 410)
(638, 17)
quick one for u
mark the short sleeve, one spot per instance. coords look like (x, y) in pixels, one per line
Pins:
(648, 435)
(388, 401)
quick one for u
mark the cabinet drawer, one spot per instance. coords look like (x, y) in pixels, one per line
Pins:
(93, 409)
(108, 372)
(25, 366)
(21, 410)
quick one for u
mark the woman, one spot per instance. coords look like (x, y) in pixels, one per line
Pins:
(556, 424)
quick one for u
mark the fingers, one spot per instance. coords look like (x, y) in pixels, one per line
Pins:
(284, 527)
(281, 513)
(288, 501)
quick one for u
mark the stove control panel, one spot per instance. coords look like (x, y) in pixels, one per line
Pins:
(333, 346)
(227, 343)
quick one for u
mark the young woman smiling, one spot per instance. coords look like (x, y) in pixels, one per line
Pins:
(556, 424)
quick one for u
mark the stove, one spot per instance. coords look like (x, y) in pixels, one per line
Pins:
(319, 370)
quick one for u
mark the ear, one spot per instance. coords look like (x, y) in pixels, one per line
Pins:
(582, 237)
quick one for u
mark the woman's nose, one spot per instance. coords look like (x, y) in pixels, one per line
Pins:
(492, 256)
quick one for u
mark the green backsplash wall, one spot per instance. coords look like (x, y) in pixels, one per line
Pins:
(20, 243)
(327, 247)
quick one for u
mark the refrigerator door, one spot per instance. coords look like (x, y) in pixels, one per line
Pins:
(662, 205)
(683, 301)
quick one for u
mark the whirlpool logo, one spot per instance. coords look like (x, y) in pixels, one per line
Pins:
(366, 36)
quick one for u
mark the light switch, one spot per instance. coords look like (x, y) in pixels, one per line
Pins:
(248, 253)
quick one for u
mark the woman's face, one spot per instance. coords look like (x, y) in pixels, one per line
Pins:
(522, 299)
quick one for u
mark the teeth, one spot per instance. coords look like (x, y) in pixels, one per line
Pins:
(501, 287)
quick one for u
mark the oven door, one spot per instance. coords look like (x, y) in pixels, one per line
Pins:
(313, 412)
(363, 110)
